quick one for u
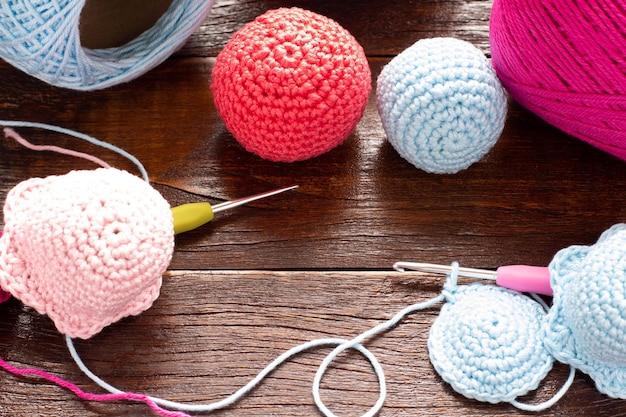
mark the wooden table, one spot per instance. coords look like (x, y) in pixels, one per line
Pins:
(315, 262)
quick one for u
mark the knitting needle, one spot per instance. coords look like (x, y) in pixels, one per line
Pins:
(522, 278)
(192, 215)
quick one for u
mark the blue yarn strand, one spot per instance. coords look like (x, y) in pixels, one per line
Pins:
(342, 345)
(242, 392)
(549, 403)
(82, 136)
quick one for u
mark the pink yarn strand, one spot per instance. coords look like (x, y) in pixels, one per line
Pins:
(4, 295)
(12, 134)
(128, 396)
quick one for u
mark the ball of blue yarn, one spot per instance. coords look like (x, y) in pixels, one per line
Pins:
(441, 104)
(486, 343)
(42, 38)
(586, 326)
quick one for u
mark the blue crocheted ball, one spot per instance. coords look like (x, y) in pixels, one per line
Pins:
(486, 343)
(441, 104)
(586, 326)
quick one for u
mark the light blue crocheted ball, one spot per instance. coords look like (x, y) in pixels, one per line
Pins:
(42, 38)
(486, 343)
(441, 104)
(586, 326)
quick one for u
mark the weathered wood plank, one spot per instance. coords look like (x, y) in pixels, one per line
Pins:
(211, 332)
(359, 206)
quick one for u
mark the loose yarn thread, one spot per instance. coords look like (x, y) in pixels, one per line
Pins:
(564, 61)
(43, 40)
(342, 345)
(81, 136)
(10, 133)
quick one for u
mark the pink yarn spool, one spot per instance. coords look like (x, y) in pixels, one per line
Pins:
(566, 62)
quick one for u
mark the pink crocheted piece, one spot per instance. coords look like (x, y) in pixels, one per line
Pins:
(291, 85)
(86, 248)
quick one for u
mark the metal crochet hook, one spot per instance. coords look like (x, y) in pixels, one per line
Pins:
(522, 278)
(193, 215)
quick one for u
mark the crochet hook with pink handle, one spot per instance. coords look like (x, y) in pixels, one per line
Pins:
(522, 278)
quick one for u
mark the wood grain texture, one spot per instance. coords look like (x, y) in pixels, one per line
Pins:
(382, 29)
(309, 263)
(210, 333)
(358, 206)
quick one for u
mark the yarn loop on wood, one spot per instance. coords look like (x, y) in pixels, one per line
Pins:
(291, 85)
(441, 104)
(486, 343)
(42, 38)
(564, 61)
(586, 326)
(86, 248)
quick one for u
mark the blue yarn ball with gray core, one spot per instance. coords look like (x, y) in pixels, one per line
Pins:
(441, 104)
(42, 38)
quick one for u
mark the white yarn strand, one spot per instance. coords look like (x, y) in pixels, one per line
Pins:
(352, 344)
(549, 403)
(342, 345)
(82, 136)
(242, 392)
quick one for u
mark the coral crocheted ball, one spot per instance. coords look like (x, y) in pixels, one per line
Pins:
(86, 248)
(291, 85)
(441, 104)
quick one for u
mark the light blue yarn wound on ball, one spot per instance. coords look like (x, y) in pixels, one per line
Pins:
(441, 104)
(486, 343)
(586, 326)
(42, 38)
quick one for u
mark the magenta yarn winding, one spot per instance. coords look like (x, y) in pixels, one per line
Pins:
(566, 62)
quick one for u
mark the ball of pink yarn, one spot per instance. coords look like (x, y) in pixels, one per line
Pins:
(291, 85)
(86, 248)
(565, 62)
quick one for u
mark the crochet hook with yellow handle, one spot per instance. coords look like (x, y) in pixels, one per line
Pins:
(192, 215)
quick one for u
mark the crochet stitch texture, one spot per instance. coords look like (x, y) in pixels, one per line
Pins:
(441, 104)
(486, 343)
(42, 38)
(86, 248)
(564, 61)
(586, 326)
(291, 85)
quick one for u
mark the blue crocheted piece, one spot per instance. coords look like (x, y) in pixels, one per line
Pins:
(486, 343)
(441, 104)
(586, 326)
